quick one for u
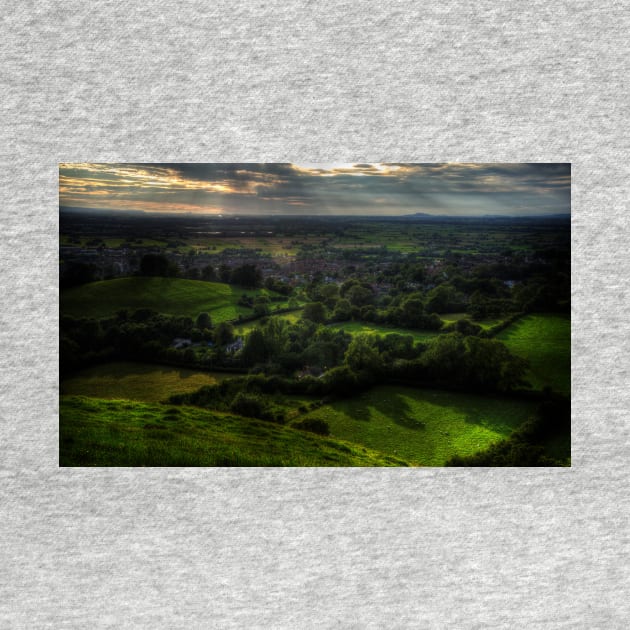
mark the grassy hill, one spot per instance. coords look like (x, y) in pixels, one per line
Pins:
(94, 432)
(173, 296)
(425, 427)
(545, 341)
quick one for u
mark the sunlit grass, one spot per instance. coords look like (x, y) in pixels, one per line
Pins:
(376, 329)
(423, 426)
(545, 341)
(450, 318)
(137, 381)
(245, 327)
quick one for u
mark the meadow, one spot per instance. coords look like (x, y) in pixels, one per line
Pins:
(172, 296)
(376, 329)
(96, 432)
(422, 426)
(246, 327)
(545, 341)
(137, 381)
(450, 318)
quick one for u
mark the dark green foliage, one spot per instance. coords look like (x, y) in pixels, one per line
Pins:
(315, 312)
(209, 274)
(224, 273)
(252, 406)
(76, 273)
(157, 265)
(363, 355)
(247, 276)
(445, 299)
(254, 350)
(343, 311)
(314, 425)
(261, 306)
(203, 321)
(223, 334)
(472, 363)
(464, 327)
(274, 284)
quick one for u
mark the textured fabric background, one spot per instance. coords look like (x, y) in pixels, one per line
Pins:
(320, 81)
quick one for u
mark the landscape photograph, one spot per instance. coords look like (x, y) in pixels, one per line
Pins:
(282, 314)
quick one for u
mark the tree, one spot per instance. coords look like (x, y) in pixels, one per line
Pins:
(203, 321)
(247, 276)
(223, 334)
(444, 299)
(254, 350)
(472, 362)
(276, 336)
(363, 355)
(343, 311)
(328, 293)
(465, 327)
(359, 295)
(261, 306)
(157, 265)
(76, 273)
(412, 310)
(208, 274)
(315, 312)
(224, 273)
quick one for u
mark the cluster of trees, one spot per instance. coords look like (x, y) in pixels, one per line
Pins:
(141, 335)
(283, 347)
(419, 308)
(73, 274)
(158, 265)
(458, 359)
(452, 361)
(247, 276)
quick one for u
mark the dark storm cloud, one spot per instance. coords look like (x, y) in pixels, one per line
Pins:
(396, 188)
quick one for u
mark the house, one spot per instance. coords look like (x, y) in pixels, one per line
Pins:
(307, 370)
(180, 342)
(235, 346)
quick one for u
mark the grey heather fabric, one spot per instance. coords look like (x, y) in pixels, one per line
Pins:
(322, 81)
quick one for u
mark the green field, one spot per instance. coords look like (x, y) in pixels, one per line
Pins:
(291, 317)
(137, 381)
(425, 427)
(376, 329)
(450, 318)
(545, 341)
(95, 432)
(173, 296)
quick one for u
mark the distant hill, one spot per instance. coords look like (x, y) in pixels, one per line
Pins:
(483, 217)
(173, 296)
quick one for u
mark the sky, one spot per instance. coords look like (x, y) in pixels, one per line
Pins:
(457, 189)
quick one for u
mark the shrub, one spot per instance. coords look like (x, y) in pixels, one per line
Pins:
(314, 425)
(247, 405)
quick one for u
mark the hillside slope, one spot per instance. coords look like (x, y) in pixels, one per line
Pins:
(95, 432)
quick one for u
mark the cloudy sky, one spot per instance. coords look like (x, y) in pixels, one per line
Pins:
(375, 189)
